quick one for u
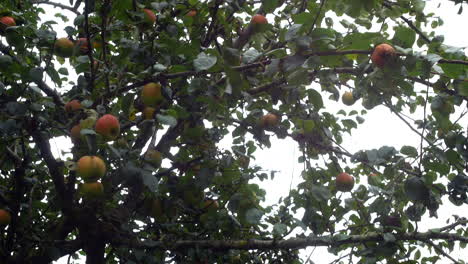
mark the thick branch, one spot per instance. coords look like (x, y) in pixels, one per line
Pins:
(69, 8)
(293, 243)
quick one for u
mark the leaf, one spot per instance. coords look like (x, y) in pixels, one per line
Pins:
(204, 62)
(389, 237)
(253, 216)
(320, 193)
(36, 74)
(409, 151)
(404, 37)
(279, 229)
(293, 32)
(167, 120)
(149, 181)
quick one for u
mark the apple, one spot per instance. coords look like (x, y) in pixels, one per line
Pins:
(382, 55)
(92, 189)
(150, 17)
(347, 98)
(72, 106)
(259, 23)
(5, 217)
(269, 121)
(75, 133)
(210, 205)
(82, 44)
(90, 168)
(148, 112)
(192, 13)
(63, 47)
(344, 182)
(6, 22)
(108, 126)
(153, 157)
(151, 94)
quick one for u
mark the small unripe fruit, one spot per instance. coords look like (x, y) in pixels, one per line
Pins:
(6, 22)
(151, 94)
(92, 189)
(75, 133)
(192, 13)
(348, 98)
(344, 182)
(148, 112)
(269, 121)
(150, 17)
(5, 217)
(63, 47)
(82, 44)
(382, 54)
(72, 106)
(90, 168)
(153, 157)
(108, 126)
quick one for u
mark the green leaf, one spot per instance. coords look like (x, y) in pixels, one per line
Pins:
(320, 193)
(409, 151)
(279, 229)
(404, 37)
(253, 216)
(204, 61)
(167, 120)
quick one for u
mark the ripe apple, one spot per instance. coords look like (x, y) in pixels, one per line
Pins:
(382, 55)
(82, 44)
(5, 217)
(348, 98)
(192, 13)
(153, 157)
(259, 23)
(75, 133)
(269, 121)
(6, 22)
(90, 168)
(151, 94)
(344, 182)
(72, 106)
(150, 17)
(108, 126)
(63, 47)
(92, 189)
(148, 112)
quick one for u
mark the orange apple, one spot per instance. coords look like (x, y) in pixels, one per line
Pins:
(151, 94)
(150, 17)
(92, 189)
(382, 55)
(347, 98)
(192, 13)
(82, 44)
(259, 23)
(344, 182)
(72, 106)
(75, 133)
(108, 126)
(63, 47)
(6, 22)
(153, 157)
(269, 121)
(90, 168)
(5, 217)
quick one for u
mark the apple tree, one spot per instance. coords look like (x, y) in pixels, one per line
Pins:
(147, 93)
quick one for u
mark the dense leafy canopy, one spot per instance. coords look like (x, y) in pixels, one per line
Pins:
(169, 191)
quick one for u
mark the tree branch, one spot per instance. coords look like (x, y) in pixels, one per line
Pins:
(69, 8)
(293, 243)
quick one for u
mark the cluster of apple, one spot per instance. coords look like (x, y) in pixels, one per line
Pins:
(382, 56)
(92, 168)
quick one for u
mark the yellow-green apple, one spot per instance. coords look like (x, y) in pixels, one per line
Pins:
(63, 47)
(151, 94)
(92, 189)
(347, 98)
(153, 157)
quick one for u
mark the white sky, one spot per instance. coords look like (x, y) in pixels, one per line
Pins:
(380, 128)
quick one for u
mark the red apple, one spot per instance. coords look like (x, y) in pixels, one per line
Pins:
(344, 182)
(108, 126)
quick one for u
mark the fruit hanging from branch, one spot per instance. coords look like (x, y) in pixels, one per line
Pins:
(259, 23)
(382, 55)
(269, 121)
(108, 126)
(82, 45)
(90, 168)
(5, 217)
(64, 47)
(347, 98)
(92, 190)
(72, 106)
(151, 94)
(344, 182)
(6, 22)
